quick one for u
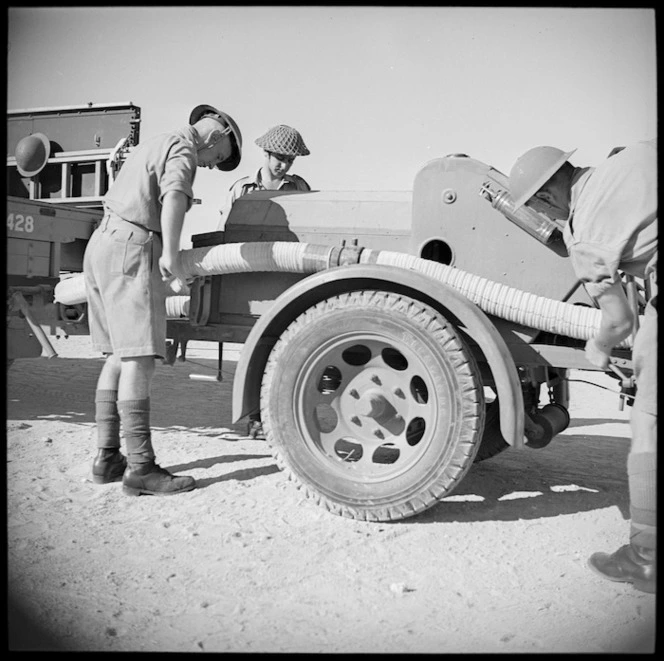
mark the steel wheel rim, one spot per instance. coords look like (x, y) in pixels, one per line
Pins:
(366, 406)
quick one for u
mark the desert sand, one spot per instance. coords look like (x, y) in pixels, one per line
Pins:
(245, 563)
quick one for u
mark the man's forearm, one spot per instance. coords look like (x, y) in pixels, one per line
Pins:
(172, 219)
(617, 318)
(611, 336)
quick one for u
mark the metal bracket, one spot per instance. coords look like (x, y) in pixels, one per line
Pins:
(22, 305)
(201, 300)
(627, 386)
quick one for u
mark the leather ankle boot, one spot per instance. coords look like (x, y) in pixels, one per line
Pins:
(108, 466)
(151, 479)
(629, 564)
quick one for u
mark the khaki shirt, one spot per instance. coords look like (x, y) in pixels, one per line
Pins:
(161, 164)
(290, 182)
(613, 218)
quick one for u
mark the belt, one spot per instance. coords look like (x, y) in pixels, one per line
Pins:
(113, 220)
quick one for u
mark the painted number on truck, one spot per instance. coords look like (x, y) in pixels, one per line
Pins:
(17, 222)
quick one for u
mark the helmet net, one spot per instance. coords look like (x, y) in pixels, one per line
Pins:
(283, 139)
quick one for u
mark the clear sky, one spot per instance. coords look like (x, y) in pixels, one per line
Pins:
(376, 92)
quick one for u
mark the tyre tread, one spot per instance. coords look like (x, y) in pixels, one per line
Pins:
(449, 476)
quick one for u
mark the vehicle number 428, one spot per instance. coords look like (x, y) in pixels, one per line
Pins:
(17, 222)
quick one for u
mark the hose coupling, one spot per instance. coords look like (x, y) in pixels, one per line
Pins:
(346, 254)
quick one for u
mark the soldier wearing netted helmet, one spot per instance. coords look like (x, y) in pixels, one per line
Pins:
(281, 146)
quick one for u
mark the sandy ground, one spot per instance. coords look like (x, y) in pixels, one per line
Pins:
(246, 564)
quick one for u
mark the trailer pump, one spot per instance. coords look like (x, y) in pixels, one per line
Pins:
(390, 340)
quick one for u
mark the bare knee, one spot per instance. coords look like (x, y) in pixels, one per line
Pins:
(136, 377)
(110, 373)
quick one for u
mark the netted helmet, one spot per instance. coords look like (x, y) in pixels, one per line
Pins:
(32, 153)
(284, 140)
(236, 137)
(532, 170)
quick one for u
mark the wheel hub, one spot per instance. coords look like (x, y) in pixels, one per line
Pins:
(372, 407)
(369, 407)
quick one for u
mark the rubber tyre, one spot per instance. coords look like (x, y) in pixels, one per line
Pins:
(493, 442)
(373, 405)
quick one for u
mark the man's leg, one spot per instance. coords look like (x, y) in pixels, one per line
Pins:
(143, 475)
(109, 464)
(642, 459)
(642, 476)
(134, 407)
(636, 562)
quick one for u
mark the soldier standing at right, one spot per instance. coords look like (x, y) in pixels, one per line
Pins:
(611, 224)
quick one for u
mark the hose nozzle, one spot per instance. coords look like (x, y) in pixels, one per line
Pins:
(544, 230)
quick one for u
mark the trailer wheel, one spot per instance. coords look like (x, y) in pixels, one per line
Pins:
(373, 405)
(492, 442)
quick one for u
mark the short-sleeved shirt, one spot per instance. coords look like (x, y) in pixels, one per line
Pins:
(159, 165)
(290, 182)
(613, 218)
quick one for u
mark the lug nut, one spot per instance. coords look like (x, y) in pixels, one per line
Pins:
(355, 420)
(354, 393)
(399, 393)
(378, 433)
(376, 380)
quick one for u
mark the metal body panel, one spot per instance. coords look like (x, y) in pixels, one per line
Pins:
(448, 208)
(47, 222)
(31, 258)
(377, 220)
(71, 128)
(43, 240)
(457, 308)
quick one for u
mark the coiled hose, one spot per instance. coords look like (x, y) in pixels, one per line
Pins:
(494, 298)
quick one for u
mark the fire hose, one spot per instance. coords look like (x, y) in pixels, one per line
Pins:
(558, 317)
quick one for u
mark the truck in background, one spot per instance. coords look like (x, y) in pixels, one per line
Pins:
(60, 163)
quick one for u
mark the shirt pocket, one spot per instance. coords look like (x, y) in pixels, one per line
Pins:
(131, 253)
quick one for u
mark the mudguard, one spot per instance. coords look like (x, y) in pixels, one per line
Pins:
(319, 286)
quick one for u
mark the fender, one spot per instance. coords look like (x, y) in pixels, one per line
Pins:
(319, 286)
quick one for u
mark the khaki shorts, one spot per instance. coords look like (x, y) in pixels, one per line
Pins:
(126, 295)
(644, 355)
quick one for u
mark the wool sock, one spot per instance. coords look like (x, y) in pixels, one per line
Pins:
(642, 479)
(107, 419)
(135, 416)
